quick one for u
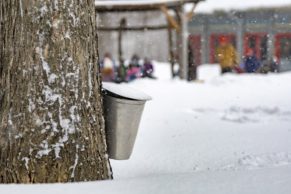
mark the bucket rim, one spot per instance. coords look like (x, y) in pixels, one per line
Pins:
(124, 100)
(124, 91)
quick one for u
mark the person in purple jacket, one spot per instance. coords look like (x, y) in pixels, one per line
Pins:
(148, 69)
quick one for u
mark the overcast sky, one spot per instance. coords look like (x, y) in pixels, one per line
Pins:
(210, 5)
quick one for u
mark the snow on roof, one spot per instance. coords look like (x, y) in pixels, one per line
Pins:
(114, 5)
(135, 2)
(209, 6)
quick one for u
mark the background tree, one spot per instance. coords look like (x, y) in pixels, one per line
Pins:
(51, 120)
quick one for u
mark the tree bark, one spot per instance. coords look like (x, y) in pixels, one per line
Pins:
(51, 118)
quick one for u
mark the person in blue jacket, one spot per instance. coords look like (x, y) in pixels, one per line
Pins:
(251, 62)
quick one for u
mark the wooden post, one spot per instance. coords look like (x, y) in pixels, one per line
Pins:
(121, 27)
(120, 51)
(271, 37)
(185, 48)
(183, 43)
(171, 51)
(205, 42)
(240, 32)
(240, 38)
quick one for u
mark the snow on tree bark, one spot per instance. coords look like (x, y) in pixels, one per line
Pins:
(51, 119)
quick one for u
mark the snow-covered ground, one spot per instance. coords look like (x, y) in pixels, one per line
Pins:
(226, 134)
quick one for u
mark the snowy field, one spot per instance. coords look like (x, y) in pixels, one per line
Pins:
(227, 134)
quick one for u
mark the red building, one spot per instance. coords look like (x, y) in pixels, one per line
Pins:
(266, 31)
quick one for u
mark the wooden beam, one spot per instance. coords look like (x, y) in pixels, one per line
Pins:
(120, 6)
(192, 12)
(171, 20)
(134, 28)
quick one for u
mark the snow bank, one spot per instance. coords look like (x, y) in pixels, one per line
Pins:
(208, 71)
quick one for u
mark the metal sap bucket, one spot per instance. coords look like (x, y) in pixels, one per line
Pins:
(123, 107)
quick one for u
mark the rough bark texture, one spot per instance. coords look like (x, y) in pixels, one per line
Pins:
(51, 120)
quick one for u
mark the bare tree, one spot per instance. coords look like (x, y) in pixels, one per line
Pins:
(51, 119)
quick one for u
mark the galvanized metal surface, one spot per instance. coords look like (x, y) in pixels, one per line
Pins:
(122, 118)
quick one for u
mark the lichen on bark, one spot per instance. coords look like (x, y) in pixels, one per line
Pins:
(51, 119)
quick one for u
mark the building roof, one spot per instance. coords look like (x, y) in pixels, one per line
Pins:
(210, 6)
(138, 5)
(280, 15)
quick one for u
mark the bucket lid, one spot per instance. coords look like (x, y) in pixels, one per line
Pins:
(125, 91)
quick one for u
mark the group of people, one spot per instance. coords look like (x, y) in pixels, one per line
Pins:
(136, 68)
(226, 56)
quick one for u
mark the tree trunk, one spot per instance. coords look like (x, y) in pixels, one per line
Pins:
(51, 118)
